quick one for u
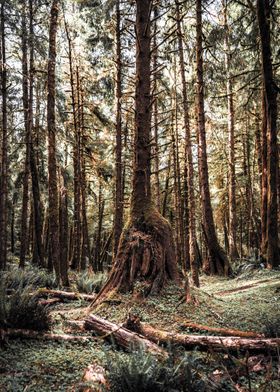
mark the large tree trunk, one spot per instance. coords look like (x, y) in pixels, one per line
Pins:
(146, 250)
(52, 167)
(218, 261)
(270, 95)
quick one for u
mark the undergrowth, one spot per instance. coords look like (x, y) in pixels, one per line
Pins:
(21, 309)
(140, 371)
(89, 282)
(29, 277)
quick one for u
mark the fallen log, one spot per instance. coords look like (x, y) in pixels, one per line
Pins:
(65, 295)
(49, 301)
(222, 331)
(121, 336)
(202, 343)
(29, 334)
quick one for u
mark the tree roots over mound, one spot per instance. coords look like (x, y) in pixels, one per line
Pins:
(145, 255)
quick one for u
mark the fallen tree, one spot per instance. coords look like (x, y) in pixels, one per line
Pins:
(120, 335)
(64, 295)
(133, 332)
(200, 342)
(29, 334)
(222, 331)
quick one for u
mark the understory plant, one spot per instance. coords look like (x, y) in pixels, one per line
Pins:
(21, 309)
(140, 371)
(90, 282)
(30, 276)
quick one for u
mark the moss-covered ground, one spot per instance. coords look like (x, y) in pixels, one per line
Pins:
(249, 302)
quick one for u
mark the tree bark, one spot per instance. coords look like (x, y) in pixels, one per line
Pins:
(4, 145)
(270, 95)
(218, 260)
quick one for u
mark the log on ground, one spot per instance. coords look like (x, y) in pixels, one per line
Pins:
(207, 343)
(222, 331)
(65, 295)
(121, 336)
(29, 334)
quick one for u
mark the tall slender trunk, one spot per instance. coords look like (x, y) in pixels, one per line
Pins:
(118, 217)
(76, 255)
(85, 253)
(38, 254)
(233, 252)
(24, 211)
(4, 145)
(217, 258)
(52, 165)
(270, 94)
(193, 256)
(155, 110)
(264, 178)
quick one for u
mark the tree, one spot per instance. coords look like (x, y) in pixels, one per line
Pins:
(146, 249)
(52, 166)
(218, 261)
(270, 112)
(233, 252)
(118, 217)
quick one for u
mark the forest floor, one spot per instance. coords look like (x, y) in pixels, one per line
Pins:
(249, 302)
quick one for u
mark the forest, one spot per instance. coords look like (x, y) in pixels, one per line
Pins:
(139, 195)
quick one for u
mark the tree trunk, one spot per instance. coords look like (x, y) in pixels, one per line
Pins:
(118, 217)
(38, 253)
(193, 256)
(233, 252)
(52, 166)
(24, 211)
(217, 258)
(146, 249)
(270, 95)
(4, 146)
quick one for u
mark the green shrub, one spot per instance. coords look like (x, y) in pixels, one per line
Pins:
(141, 371)
(89, 282)
(21, 309)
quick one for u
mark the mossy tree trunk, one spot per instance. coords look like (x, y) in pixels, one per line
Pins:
(146, 249)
